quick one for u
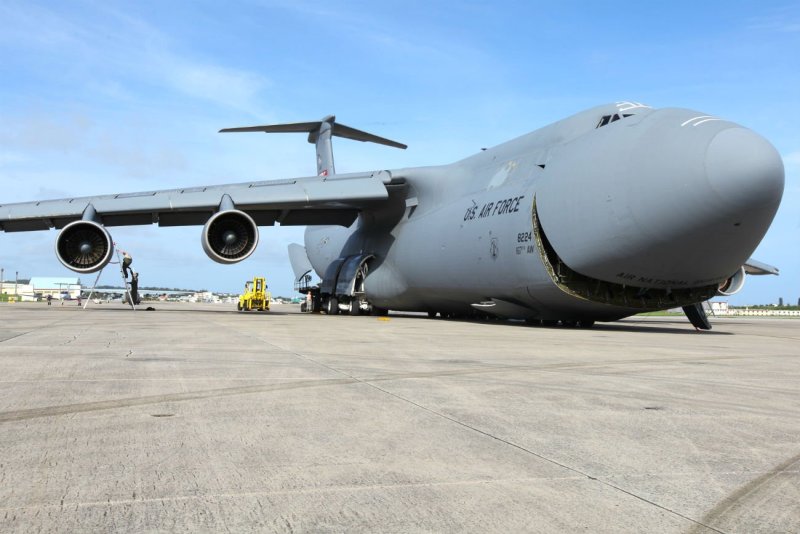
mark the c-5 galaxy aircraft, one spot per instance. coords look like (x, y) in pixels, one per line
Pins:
(616, 210)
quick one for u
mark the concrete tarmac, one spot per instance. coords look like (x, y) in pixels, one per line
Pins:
(196, 418)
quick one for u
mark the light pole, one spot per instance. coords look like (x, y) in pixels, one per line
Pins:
(16, 279)
(1, 280)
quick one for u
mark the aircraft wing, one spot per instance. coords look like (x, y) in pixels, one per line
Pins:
(332, 199)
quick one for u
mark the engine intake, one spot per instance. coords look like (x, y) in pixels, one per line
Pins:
(84, 246)
(229, 236)
(732, 285)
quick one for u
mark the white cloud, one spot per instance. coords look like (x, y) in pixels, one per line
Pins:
(40, 132)
(104, 48)
(236, 89)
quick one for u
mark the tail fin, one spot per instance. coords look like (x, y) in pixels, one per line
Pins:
(320, 132)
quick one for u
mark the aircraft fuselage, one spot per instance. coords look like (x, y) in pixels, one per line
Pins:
(613, 211)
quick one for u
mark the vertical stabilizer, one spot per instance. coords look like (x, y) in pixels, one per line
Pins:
(320, 133)
(321, 137)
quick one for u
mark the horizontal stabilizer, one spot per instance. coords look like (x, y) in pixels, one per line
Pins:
(313, 128)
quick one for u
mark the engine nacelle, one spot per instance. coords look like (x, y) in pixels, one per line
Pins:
(84, 246)
(732, 285)
(229, 236)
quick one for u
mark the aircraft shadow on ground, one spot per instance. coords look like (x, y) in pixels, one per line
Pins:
(143, 309)
(677, 326)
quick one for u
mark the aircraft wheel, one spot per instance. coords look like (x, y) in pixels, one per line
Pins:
(332, 306)
(355, 307)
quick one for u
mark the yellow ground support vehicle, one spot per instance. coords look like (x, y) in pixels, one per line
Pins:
(255, 296)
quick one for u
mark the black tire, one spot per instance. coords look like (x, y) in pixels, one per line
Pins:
(332, 306)
(549, 322)
(355, 307)
(239, 306)
(303, 307)
(432, 314)
(585, 324)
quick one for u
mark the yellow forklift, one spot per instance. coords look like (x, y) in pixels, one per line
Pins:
(255, 296)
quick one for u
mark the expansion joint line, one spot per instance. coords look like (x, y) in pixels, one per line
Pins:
(537, 455)
(367, 382)
(509, 443)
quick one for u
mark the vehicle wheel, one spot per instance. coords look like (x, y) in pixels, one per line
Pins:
(303, 307)
(355, 307)
(332, 306)
(239, 306)
(585, 324)
(549, 322)
(569, 323)
(432, 314)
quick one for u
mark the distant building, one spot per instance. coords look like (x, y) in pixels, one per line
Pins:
(57, 286)
(19, 290)
(719, 307)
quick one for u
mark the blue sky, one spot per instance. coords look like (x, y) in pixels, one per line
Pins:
(109, 97)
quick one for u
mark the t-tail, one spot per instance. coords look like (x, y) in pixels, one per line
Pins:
(319, 133)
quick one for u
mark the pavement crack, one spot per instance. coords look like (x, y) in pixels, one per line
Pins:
(368, 382)
(14, 337)
(731, 504)
(543, 457)
(50, 411)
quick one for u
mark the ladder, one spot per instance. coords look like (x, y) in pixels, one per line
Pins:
(128, 295)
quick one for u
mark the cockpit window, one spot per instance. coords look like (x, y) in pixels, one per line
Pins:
(607, 119)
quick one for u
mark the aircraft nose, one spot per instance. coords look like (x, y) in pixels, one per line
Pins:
(744, 170)
(685, 207)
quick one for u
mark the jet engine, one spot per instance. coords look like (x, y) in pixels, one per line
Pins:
(229, 236)
(732, 285)
(84, 246)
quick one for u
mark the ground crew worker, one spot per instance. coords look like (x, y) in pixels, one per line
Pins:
(134, 293)
(126, 263)
(49, 299)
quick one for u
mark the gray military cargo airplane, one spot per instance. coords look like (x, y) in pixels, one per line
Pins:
(616, 210)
